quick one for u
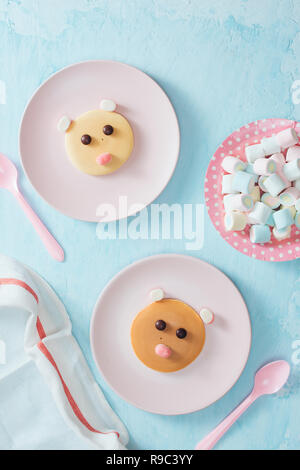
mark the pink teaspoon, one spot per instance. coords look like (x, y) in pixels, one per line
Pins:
(268, 380)
(9, 181)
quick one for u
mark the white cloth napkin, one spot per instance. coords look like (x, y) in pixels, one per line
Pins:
(48, 396)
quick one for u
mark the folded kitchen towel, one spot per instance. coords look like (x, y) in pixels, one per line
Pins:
(48, 396)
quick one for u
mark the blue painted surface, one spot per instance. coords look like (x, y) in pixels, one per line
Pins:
(223, 64)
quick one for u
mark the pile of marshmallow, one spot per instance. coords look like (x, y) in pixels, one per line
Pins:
(264, 192)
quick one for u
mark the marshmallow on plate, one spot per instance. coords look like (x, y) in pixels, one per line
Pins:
(270, 220)
(157, 295)
(64, 124)
(236, 221)
(233, 164)
(270, 145)
(264, 166)
(279, 159)
(250, 169)
(207, 316)
(272, 202)
(283, 219)
(261, 183)
(282, 234)
(260, 234)
(291, 170)
(292, 210)
(237, 202)
(293, 153)
(255, 194)
(253, 152)
(260, 214)
(227, 181)
(287, 138)
(289, 196)
(243, 182)
(274, 184)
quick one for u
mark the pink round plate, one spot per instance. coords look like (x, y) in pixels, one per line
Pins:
(235, 144)
(78, 89)
(215, 370)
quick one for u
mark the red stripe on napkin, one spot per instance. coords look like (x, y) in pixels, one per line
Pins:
(17, 282)
(47, 354)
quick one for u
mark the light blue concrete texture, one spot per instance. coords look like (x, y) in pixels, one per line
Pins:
(222, 63)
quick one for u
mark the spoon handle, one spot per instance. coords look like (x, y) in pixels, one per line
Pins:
(49, 241)
(211, 439)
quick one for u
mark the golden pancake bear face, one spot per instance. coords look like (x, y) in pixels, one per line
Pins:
(168, 334)
(98, 142)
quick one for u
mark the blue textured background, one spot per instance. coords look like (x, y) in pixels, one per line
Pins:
(223, 63)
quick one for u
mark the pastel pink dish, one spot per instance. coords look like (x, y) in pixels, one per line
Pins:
(9, 181)
(104, 159)
(216, 369)
(163, 351)
(268, 380)
(234, 145)
(75, 90)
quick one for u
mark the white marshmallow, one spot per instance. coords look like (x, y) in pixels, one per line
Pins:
(270, 145)
(293, 153)
(227, 181)
(279, 159)
(237, 202)
(157, 295)
(292, 170)
(287, 138)
(108, 105)
(260, 214)
(289, 196)
(274, 185)
(265, 166)
(64, 124)
(282, 234)
(207, 316)
(235, 221)
(253, 152)
(233, 164)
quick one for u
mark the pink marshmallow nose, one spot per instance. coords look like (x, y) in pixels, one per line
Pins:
(163, 351)
(104, 159)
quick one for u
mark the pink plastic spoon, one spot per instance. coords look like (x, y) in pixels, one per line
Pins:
(9, 181)
(268, 380)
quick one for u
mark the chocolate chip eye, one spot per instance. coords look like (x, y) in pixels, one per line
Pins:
(181, 333)
(108, 130)
(160, 325)
(86, 139)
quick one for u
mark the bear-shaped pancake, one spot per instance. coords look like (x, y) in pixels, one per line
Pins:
(168, 334)
(98, 142)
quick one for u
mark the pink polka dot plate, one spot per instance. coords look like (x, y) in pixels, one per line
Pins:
(235, 144)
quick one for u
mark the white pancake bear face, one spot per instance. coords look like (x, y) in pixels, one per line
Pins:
(99, 142)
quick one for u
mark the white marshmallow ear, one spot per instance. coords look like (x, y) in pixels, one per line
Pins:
(63, 124)
(207, 316)
(108, 105)
(157, 295)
